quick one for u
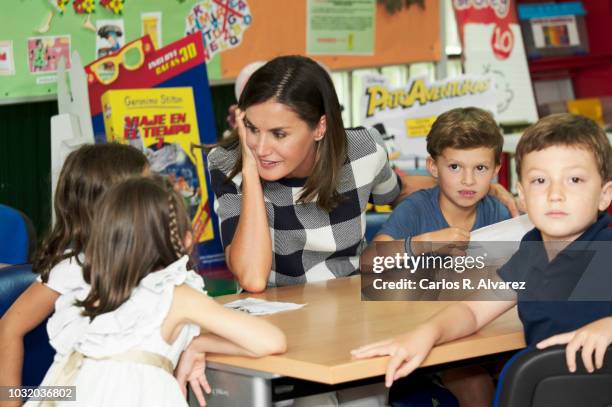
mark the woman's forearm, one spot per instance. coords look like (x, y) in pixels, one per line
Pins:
(250, 253)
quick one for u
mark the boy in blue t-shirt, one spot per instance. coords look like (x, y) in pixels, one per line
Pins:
(465, 147)
(564, 164)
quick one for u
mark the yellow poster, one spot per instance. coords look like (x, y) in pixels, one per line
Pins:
(162, 123)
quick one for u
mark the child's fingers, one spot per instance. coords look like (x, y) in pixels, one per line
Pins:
(560, 339)
(587, 354)
(372, 345)
(197, 390)
(600, 352)
(394, 363)
(408, 367)
(383, 350)
(205, 385)
(570, 352)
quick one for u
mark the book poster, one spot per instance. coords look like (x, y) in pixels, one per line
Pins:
(162, 123)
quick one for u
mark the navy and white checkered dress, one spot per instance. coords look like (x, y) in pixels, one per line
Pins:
(310, 244)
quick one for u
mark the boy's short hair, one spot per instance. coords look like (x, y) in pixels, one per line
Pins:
(570, 130)
(465, 128)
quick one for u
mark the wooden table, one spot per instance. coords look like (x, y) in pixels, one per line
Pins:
(334, 321)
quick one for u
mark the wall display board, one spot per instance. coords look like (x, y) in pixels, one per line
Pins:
(35, 34)
(493, 45)
(405, 115)
(158, 100)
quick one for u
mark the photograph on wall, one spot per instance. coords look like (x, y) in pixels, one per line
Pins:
(152, 26)
(555, 32)
(222, 24)
(110, 37)
(44, 53)
(7, 59)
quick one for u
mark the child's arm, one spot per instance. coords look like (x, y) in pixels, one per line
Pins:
(256, 336)
(408, 351)
(424, 243)
(27, 312)
(192, 363)
(594, 337)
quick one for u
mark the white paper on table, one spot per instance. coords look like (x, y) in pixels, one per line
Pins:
(510, 230)
(255, 306)
(503, 240)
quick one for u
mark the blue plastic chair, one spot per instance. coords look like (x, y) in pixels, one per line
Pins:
(374, 222)
(17, 236)
(38, 354)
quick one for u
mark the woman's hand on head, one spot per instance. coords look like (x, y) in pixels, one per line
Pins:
(249, 163)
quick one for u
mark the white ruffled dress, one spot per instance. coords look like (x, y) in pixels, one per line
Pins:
(134, 326)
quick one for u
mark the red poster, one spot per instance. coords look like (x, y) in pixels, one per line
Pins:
(502, 13)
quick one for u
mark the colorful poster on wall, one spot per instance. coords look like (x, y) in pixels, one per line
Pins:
(7, 59)
(502, 55)
(221, 22)
(340, 27)
(176, 113)
(44, 53)
(162, 123)
(404, 115)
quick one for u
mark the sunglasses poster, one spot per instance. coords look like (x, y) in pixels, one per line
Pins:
(222, 24)
(162, 123)
(44, 53)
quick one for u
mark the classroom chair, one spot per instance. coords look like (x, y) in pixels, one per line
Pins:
(540, 378)
(38, 354)
(17, 236)
(374, 222)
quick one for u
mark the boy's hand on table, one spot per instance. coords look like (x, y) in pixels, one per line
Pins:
(506, 198)
(594, 337)
(407, 352)
(190, 369)
(452, 241)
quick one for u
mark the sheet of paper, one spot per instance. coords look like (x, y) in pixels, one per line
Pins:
(511, 230)
(498, 242)
(255, 306)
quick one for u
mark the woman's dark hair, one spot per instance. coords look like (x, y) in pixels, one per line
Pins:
(86, 174)
(138, 228)
(305, 87)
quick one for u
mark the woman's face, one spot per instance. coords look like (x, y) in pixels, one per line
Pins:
(283, 144)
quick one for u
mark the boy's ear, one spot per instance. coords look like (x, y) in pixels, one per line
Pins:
(432, 167)
(606, 196)
(188, 241)
(521, 195)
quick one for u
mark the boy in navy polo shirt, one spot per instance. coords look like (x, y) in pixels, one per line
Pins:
(564, 164)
